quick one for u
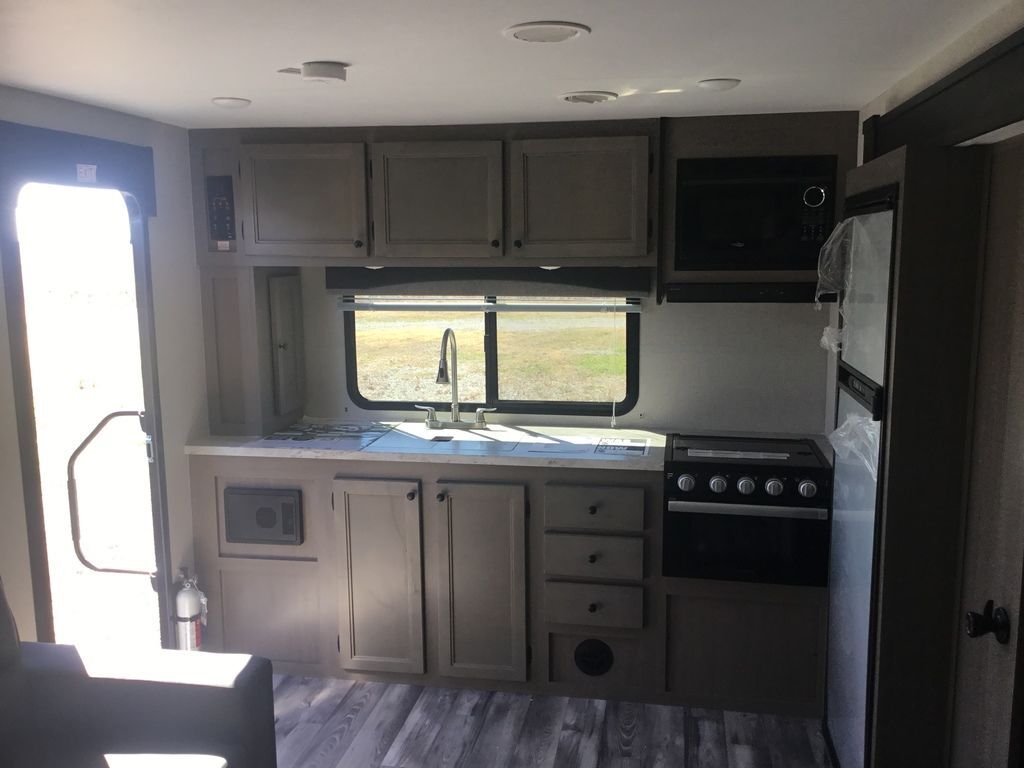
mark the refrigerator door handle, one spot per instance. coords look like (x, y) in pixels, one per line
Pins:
(863, 390)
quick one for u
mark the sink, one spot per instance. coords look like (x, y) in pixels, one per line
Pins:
(414, 437)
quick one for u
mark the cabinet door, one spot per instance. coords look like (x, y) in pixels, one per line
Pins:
(437, 199)
(381, 585)
(305, 200)
(579, 198)
(286, 343)
(748, 647)
(482, 599)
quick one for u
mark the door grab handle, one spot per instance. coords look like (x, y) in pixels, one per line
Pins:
(76, 528)
(994, 620)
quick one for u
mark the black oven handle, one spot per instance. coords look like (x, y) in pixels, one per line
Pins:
(748, 510)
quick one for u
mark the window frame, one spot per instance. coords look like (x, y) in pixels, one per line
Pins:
(539, 407)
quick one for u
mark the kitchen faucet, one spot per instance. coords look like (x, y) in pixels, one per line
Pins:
(442, 370)
(443, 377)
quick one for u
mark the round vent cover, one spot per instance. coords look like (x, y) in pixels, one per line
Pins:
(589, 97)
(594, 657)
(546, 31)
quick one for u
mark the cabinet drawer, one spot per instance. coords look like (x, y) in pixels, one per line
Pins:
(598, 557)
(596, 605)
(594, 508)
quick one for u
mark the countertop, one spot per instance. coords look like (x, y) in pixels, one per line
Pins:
(498, 445)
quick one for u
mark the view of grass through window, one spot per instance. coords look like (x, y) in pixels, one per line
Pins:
(542, 356)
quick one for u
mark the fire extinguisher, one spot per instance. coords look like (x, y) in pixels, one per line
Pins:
(190, 613)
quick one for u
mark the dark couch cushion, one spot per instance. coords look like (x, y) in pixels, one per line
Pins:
(10, 647)
(158, 701)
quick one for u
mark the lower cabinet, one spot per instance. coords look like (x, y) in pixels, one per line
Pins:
(482, 592)
(270, 609)
(379, 539)
(755, 647)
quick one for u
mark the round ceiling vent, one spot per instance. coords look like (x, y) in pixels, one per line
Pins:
(718, 84)
(319, 71)
(546, 31)
(589, 97)
(231, 102)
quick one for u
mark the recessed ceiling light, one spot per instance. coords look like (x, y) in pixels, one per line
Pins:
(319, 71)
(719, 83)
(546, 31)
(231, 102)
(589, 97)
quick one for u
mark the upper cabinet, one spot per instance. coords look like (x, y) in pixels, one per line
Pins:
(509, 196)
(304, 200)
(437, 199)
(579, 198)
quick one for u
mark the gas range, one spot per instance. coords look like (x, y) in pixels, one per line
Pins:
(746, 509)
(747, 470)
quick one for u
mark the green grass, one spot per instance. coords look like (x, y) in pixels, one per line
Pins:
(541, 356)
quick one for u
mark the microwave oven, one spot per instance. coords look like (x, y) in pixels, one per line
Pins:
(753, 213)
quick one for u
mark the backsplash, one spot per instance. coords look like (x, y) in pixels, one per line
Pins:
(735, 367)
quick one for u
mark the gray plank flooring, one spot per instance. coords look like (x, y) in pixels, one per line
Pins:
(328, 723)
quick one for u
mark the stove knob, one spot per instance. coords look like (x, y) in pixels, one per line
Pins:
(746, 486)
(686, 483)
(807, 489)
(718, 484)
(774, 487)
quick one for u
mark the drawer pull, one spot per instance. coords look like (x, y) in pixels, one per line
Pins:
(592, 608)
(592, 559)
(592, 510)
(411, 495)
(441, 497)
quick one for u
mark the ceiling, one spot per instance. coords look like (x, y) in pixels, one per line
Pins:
(446, 61)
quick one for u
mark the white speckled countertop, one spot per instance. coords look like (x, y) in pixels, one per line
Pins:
(498, 445)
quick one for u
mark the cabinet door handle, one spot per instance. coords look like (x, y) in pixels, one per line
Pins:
(441, 497)
(591, 559)
(495, 243)
(411, 495)
(592, 608)
(358, 243)
(592, 510)
(518, 243)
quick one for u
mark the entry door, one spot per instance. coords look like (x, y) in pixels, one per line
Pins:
(92, 411)
(989, 697)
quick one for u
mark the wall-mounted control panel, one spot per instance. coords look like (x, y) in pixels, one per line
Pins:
(220, 212)
(263, 516)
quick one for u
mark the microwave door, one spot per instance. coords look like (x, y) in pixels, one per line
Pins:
(865, 308)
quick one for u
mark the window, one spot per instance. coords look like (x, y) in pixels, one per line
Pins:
(517, 354)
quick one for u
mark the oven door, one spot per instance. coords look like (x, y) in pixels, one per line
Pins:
(740, 542)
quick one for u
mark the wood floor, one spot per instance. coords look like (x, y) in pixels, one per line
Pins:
(327, 723)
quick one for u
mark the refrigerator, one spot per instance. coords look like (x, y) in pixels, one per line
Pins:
(857, 442)
(910, 250)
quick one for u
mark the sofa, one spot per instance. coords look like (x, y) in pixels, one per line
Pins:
(62, 706)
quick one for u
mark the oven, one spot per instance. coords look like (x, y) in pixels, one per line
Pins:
(746, 510)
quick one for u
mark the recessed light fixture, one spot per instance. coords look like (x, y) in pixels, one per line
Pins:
(718, 84)
(589, 97)
(546, 31)
(670, 90)
(231, 102)
(319, 71)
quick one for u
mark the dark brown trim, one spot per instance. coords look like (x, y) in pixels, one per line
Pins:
(983, 95)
